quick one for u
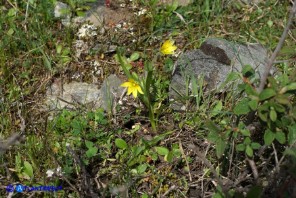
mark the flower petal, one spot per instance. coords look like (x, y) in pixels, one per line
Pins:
(126, 84)
(168, 47)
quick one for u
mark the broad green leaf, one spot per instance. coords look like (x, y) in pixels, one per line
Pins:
(10, 32)
(272, 115)
(80, 13)
(161, 150)
(233, 76)
(266, 94)
(242, 107)
(245, 132)
(141, 168)
(91, 152)
(247, 141)
(280, 137)
(11, 12)
(212, 127)
(251, 91)
(136, 150)
(263, 116)
(248, 71)
(240, 147)
(279, 108)
(268, 137)
(282, 99)
(253, 104)
(46, 62)
(292, 134)
(135, 56)
(291, 152)
(249, 151)
(59, 48)
(145, 196)
(120, 143)
(289, 87)
(89, 144)
(28, 169)
(217, 109)
(255, 192)
(255, 145)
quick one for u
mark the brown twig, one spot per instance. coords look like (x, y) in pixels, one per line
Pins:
(254, 168)
(210, 166)
(277, 49)
(86, 180)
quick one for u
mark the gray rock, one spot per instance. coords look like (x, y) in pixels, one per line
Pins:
(73, 94)
(63, 11)
(215, 59)
(110, 90)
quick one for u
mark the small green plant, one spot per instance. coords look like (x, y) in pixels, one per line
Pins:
(146, 85)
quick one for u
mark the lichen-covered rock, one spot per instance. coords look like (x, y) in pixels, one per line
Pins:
(215, 59)
(73, 94)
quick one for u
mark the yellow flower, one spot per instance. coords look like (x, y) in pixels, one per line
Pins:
(132, 87)
(168, 47)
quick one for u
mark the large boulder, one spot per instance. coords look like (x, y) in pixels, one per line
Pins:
(215, 59)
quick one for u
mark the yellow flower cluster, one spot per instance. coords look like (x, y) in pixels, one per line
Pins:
(168, 47)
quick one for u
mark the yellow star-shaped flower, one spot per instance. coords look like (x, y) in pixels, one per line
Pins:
(132, 87)
(168, 47)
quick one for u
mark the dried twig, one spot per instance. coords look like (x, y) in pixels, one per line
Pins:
(14, 138)
(210, 166)
(254, 168)
(86, 178)
(185, 158)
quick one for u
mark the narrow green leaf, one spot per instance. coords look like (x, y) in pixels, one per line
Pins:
(249, 151)
(120, 143)
(268, 137)
(266, 94)
(220, 147)
(169, 157)
(292, 134)
(46, 62)
(272, 115)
